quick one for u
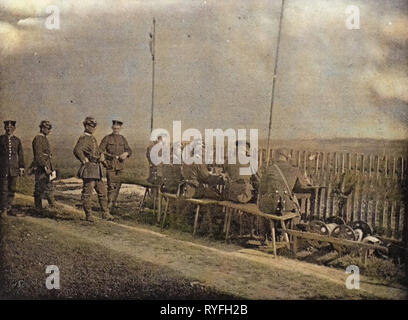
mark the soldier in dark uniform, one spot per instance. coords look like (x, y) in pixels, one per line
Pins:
(87, 151)
(198, 181)
(279, 183)
(116, 150)
(42, 166)
(11, 166)
(240, 188)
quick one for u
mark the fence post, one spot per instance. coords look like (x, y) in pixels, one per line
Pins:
(335, 162)
(370, 168)
(376, 215)
(393, 221)
(369, 211)
(323, 164)
(385, 217)
(353, 206)
(386, 167)
(298, 159)
(304, 161)
(394, 164)
(328, 196)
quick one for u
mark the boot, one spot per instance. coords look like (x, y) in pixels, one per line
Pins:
(107, 216)
(51, 202)
(37, 205)
(89, 217)
(3, 213)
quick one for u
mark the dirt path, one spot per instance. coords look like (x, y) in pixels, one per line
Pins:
(240, 272)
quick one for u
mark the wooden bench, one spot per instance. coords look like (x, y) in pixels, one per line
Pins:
(296, 234)
(252, 209)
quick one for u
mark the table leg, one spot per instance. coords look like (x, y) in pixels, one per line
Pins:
(228, 224)
(159, 207)
(196, 220)
(272, 224)
(154, 202)
(165, 213)
(143, 200)
(285, 235)
(225, 220)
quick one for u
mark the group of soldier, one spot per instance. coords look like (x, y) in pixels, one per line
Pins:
(273, 190)
(111, 154)
(272, 187)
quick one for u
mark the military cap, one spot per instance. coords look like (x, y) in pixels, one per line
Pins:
(90, 121)
(8, 123)
(45, 124)
(117, 122)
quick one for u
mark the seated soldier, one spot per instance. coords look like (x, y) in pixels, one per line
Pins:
(171, 174)
(155, 172)
(198, 182)
(240, 188)
(279, 183)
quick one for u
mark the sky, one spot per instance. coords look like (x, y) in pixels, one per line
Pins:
(214, 66)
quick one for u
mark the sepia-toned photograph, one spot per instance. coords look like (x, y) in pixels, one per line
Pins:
(218, 150)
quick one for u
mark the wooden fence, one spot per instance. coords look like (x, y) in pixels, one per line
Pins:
(376, 197)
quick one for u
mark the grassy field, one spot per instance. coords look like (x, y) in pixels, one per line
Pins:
(28, 248)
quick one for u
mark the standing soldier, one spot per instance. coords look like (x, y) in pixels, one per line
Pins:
(116, 150)
(11, 166)
(87, 151)
(42, 166)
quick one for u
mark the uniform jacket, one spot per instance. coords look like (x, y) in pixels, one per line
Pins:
(87, 148)
(239, 187)
(273, 190)
(42, 153)
(11, 156)
(114, 145)
(198, 174)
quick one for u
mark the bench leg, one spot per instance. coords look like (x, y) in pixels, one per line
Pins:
(143, 200)
(154, 201)
(295, 244)
(165, 214)
(285, 234)
(228, 224)
(225, 220)
(272, 224)
(196, 220)
(252, 226)
(240, 222)
(159, 207)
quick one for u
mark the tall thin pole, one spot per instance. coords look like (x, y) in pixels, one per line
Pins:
(152, 51)
(274, 78)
